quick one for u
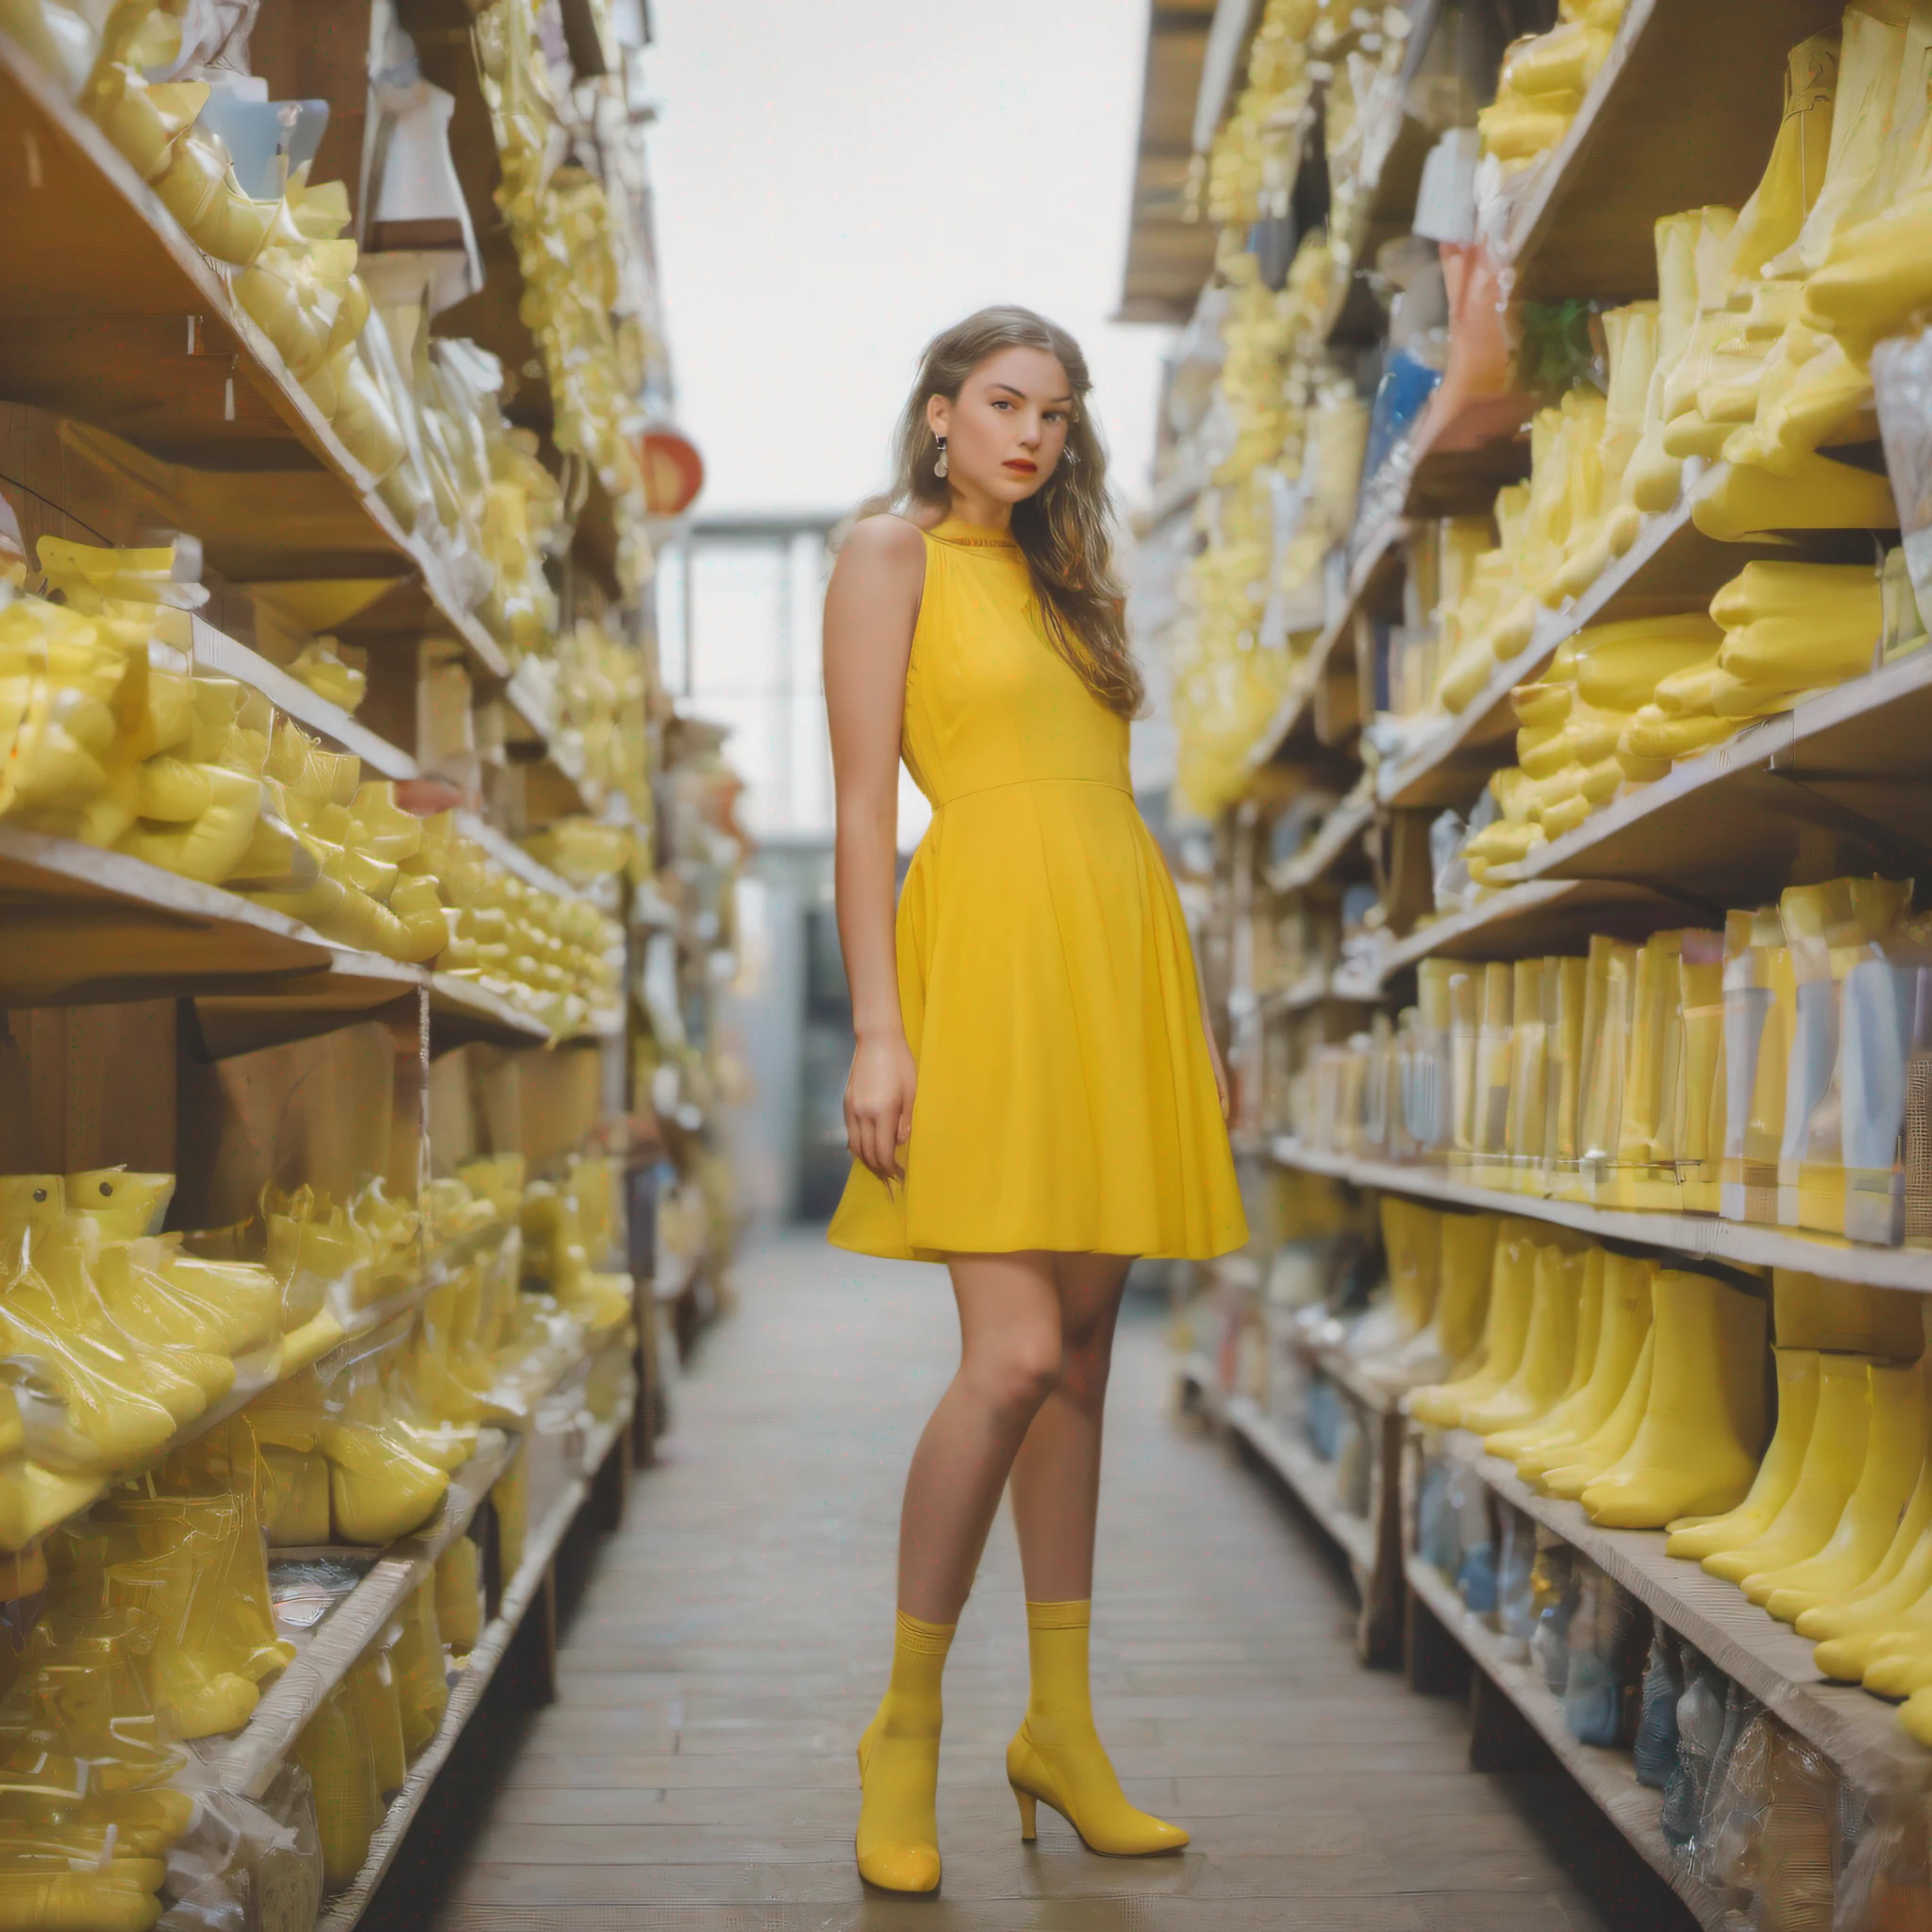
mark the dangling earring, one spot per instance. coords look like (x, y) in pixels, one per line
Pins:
(939, 469)
(1070, 456)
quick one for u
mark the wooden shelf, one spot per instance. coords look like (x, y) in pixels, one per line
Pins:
(1311, 1479)
(86, 925)
(460, 1011)
(1608, 1778)
(1375, 573)
(1855, 763)
(1712, 73)
(1539, 917)
(111, 315)
(1460, 463)
(1671, 567)
(221, 653)
(479, 1668)
(1858, 1732)
(1340, 830)
(1702, 1235)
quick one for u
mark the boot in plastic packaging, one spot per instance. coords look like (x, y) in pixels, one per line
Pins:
(1608, 1636)
(1553, 1589)
(1653, 1750)
(421, 1670)
(1700, 1732)
(336, 1751)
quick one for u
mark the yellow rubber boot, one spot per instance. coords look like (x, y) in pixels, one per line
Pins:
(899, 1765)
(1834, 1459)
(1512, 1292)
(1462, 1292)
(1695, 1537)
(1602, 1451)
(1589, 1315)
(1901, 1662)
(1696, 1449)
(1623, 1322)
(1057, 1758)
(1894, 1455)
(1549, 1347)
(1902, 1578)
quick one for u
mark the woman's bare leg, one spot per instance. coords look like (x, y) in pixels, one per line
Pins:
(1056, 1473)
(1010, 1364)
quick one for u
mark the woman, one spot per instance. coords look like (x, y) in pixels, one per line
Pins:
(1036, 993)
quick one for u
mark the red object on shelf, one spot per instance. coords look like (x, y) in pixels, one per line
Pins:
(673, 472)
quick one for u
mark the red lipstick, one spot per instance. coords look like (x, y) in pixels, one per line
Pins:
(1022, 465)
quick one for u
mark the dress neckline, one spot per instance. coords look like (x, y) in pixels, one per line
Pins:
(956, 530)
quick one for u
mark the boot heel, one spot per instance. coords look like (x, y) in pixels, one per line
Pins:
(1029, 1814)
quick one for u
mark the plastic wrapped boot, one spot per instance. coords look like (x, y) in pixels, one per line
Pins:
(1697, 1448)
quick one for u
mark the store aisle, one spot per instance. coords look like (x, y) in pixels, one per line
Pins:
(697, 1771)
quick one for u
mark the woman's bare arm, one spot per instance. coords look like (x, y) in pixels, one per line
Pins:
(872, 605)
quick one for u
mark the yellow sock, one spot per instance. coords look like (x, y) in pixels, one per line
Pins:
(1058, 1754)
(899, 1764)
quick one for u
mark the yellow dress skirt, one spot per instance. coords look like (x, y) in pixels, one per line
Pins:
(1065, 1100)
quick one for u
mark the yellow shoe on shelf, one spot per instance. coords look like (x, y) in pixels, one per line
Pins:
(1697, 1447)
(1894, 1457)
(1583, 1462)
(1834, 1460)
(1695, 1537)
(1512, 1288)
(1549, 1348)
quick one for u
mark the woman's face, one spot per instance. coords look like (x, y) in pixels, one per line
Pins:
(1007, 430)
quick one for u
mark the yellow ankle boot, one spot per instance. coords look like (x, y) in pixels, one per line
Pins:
(1512, 1290)
(1697, 1537)
(1894, 1454)
(897, 1841)
(1057, 1758)
(1623, 1320)
(1834, 1458)
(1697, 1448)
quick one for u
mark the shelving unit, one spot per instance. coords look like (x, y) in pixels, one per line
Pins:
(1681, 115)
(1677, 1234)
(180, 1029)
(1856, 1731)
(1605, 1774)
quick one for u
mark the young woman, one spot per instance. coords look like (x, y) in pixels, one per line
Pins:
(1035, 992)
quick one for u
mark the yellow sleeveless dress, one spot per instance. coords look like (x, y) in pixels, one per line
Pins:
(1066, 1099)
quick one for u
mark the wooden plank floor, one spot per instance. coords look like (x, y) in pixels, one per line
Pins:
(697, 1774)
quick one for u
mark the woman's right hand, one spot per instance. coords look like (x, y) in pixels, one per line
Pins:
(879, 1103)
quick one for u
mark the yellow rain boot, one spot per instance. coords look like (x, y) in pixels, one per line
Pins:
(372, 1684)
(1466, 1246)
(897, 1841)
(459, 1594)
(336, 1751)
(1057, 1758)
(422, 1670)
(1905, 1575)
(1834, 1460)
(32, 1499)
(1894, 1455)
(84, 1410)
(1589, 1317)
(1817, 494)
(1623, 1322)
(1512, 1290)
(1549, 1346)
(1798, 626)
(1695, 1537)
(377, 1490)
(1697, 1447)
(1589, 1459)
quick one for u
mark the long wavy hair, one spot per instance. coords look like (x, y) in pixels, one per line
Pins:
(1065, 529)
